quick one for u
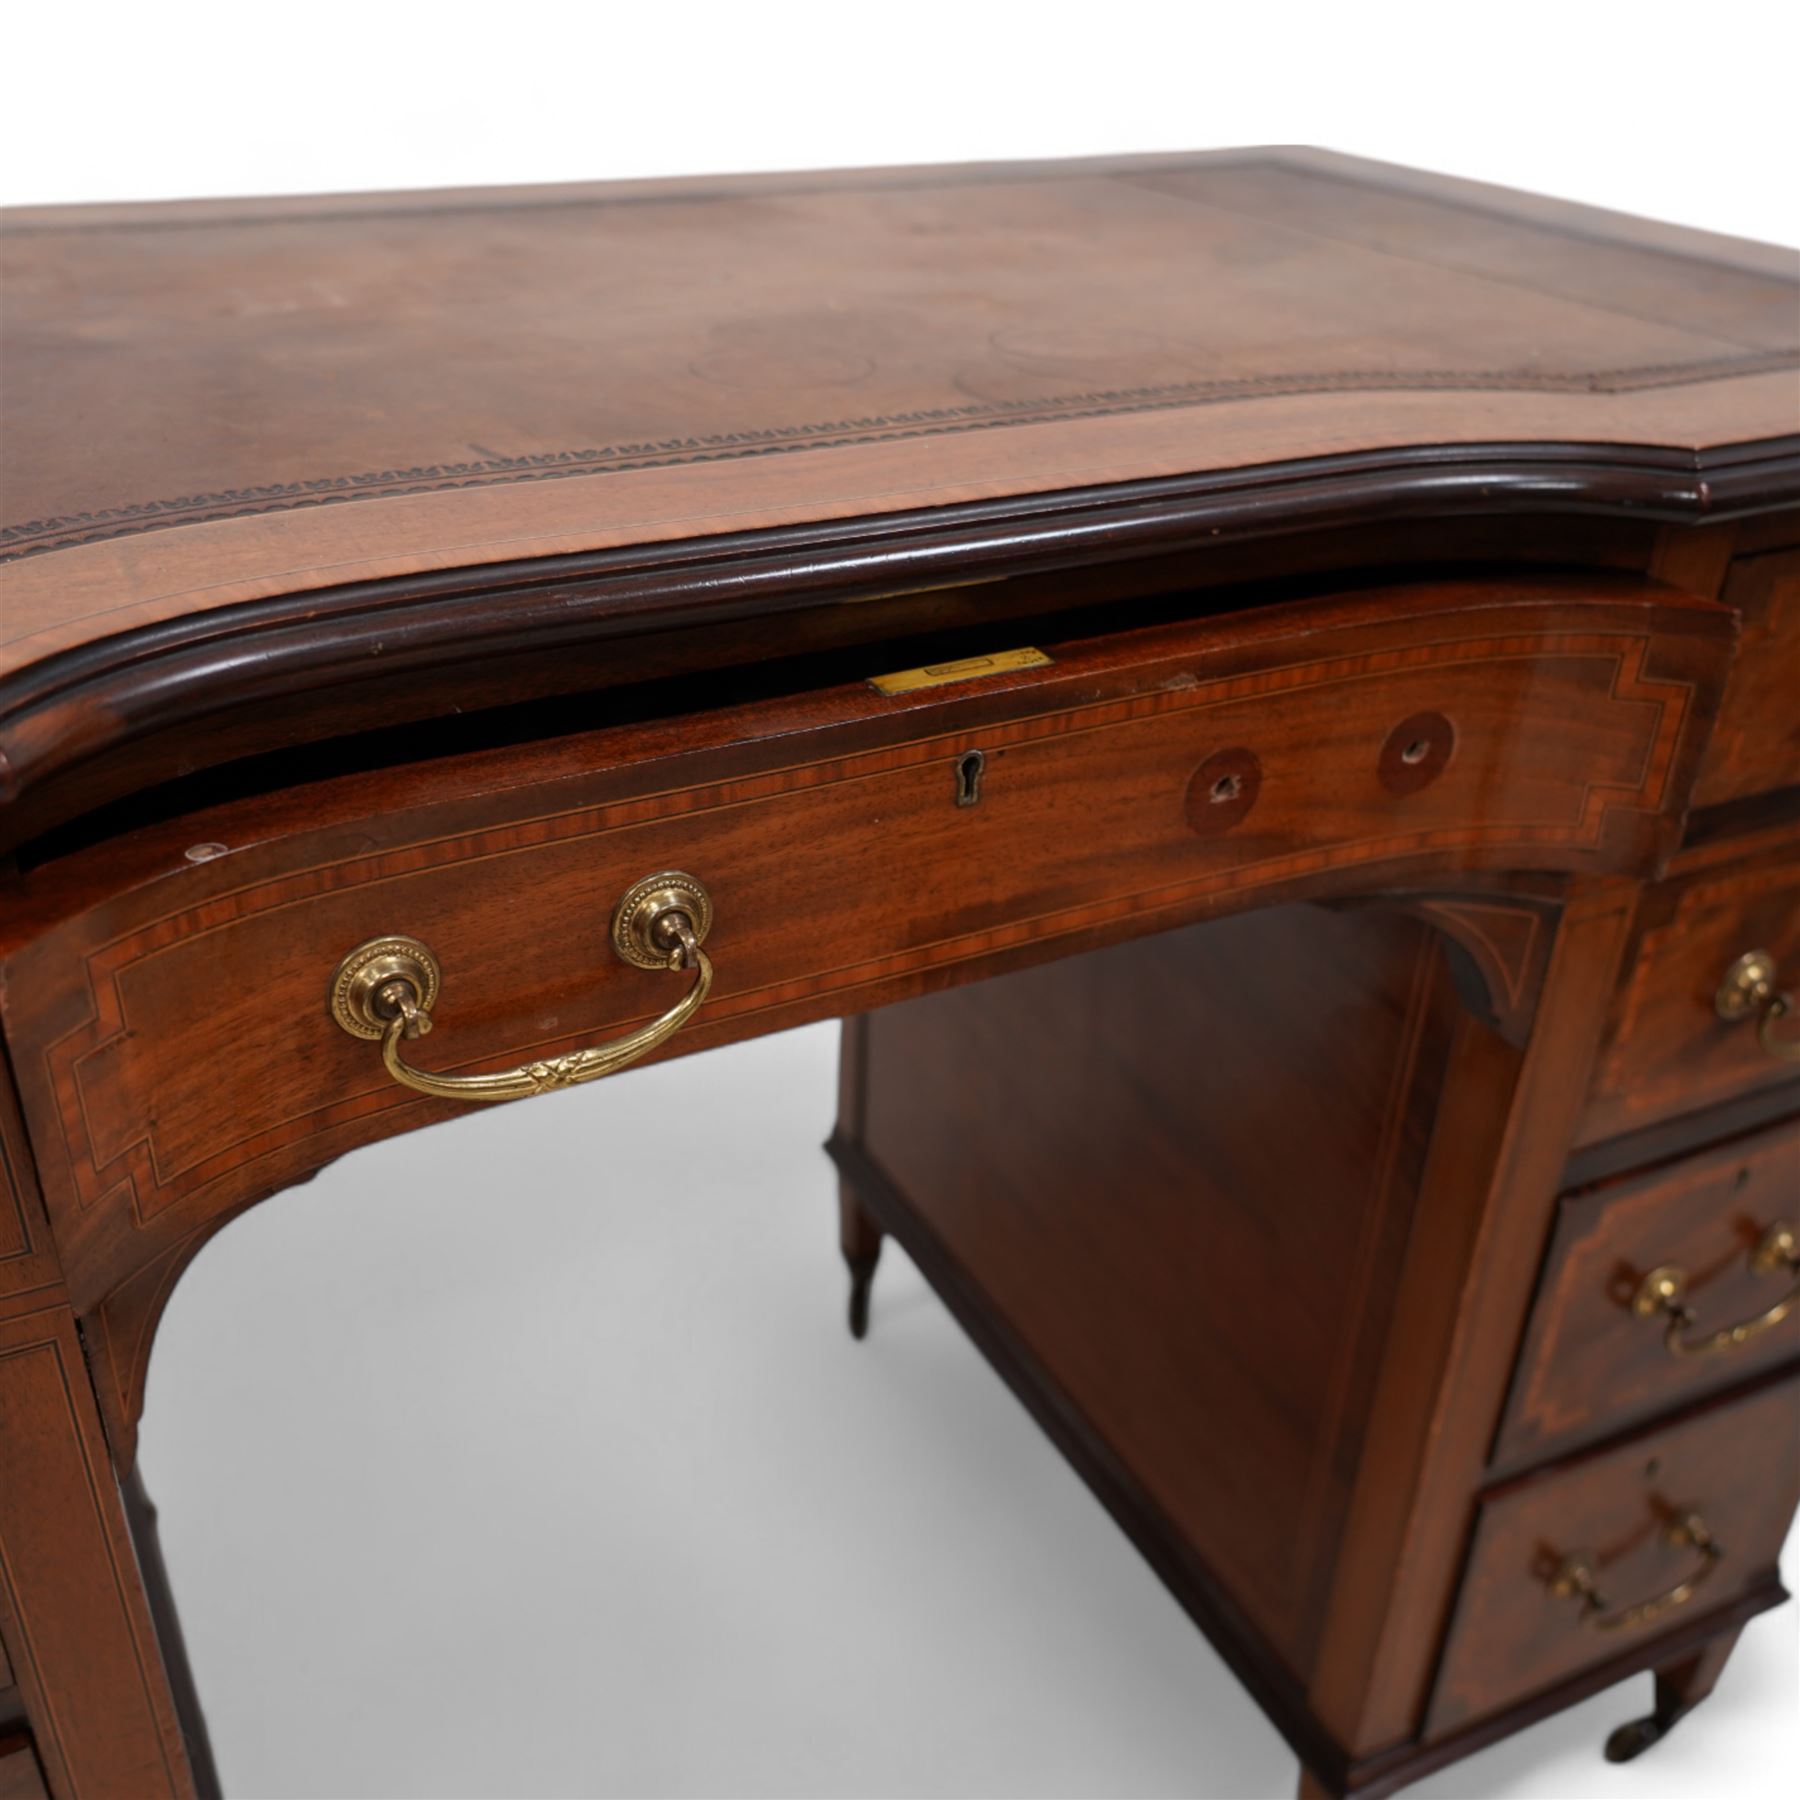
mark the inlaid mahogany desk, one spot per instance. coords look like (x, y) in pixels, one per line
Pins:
(1262, 686)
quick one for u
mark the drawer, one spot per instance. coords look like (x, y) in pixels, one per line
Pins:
(20, 1776)
(1576, 1566)
(1755, 743)
(177, 1047)
(1604, 1348)
(1667, 1050)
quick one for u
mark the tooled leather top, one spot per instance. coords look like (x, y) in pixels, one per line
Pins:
(207, 403)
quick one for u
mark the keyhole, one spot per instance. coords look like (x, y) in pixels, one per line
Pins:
(1227, 787)
(968, 777)
(1416, 751)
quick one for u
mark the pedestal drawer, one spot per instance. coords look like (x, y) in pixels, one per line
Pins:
(1669, 1050)
(1755, 744)
(1657, 1289)
(1576, 1566)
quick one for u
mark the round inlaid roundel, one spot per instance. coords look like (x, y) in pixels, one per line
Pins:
(1416, 752)
(1223, 789)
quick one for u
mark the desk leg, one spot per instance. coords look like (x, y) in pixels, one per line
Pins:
(1680, 1687)
(859, 1236)
(73, 1609)
(78, 1622)
(860, 1239)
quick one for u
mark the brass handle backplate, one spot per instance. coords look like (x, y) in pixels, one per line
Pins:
(1750, 990)
(386, 988)
(1662, 1294)
(1575, 1579)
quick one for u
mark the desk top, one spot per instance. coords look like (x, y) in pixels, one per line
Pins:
(240, 418)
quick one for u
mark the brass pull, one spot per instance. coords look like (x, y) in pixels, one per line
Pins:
(387, 987)
(1575, 1580)
(1662, 1289)
(1749, 988)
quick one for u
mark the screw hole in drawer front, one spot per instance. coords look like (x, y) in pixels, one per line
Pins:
(1575, 1565)
(1417, 752)
(1223, 790)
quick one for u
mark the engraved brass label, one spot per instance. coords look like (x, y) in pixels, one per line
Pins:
(970, 668)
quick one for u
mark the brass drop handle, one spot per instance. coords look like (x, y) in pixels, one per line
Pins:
(1749, 990)
(385, 989)
(1661, 1294)
(1575, 1580)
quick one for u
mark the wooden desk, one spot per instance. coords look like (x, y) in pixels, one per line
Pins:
(1292, 933)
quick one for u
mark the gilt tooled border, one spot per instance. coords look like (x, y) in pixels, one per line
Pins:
(65, 531)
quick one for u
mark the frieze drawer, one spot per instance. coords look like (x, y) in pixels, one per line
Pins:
(855, 846)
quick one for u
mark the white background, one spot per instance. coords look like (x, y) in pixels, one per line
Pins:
(570, 1482)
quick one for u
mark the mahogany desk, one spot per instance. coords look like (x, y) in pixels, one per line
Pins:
(1312, 923)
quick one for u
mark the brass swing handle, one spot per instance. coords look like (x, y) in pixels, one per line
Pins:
(1661, 1293)
(1576, 1580)
(385, 989)
(1749, 988)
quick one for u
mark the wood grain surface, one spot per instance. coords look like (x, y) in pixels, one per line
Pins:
(1756, 744)
(1589, 1365)
(1108, 1275)
(182, 1061)
(1737, 1465)
(77, 1626)
(1414, 565)
(1668, 1052)
(20, 1776)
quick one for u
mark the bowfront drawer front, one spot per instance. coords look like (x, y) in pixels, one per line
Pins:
(1589, 1562)
(1660, 1288)
(196, 1034)
(1703, 1012)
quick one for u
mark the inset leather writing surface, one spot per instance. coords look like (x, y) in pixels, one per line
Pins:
(402, 350)
(897, 339)
(1618, 277)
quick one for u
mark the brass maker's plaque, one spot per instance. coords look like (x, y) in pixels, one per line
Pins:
(968, 668)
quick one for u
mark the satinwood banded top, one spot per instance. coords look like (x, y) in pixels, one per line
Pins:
(226, 418)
